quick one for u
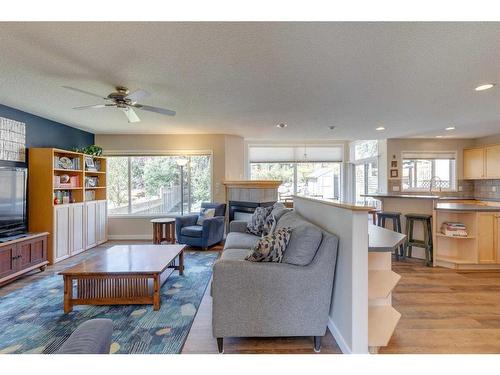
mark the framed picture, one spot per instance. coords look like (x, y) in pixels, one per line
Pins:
(89, 163)
(394, 173)
(394, 163)
(91, 182)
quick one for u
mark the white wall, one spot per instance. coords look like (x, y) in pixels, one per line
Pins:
(349, 311)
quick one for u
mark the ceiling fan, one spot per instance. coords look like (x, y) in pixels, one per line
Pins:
(125, 100)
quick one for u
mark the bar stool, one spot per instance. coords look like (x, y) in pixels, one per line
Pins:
(426, 243)
(395, 217)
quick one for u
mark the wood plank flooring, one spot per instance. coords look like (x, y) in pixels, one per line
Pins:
(443, 311)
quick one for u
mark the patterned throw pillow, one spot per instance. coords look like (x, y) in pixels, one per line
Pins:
(271, 248)
(269, 225)
(205, 213)
(258, 220)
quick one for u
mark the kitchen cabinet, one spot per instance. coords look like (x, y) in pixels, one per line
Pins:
(492, 161)
(62, 241)
(486, 237)
(473, 163)
(91, 224)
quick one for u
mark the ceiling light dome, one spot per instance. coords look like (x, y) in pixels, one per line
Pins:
(486, 86)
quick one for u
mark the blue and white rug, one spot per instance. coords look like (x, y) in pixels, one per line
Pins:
(32, 318)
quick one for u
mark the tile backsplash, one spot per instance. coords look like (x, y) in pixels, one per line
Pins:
(481, 189)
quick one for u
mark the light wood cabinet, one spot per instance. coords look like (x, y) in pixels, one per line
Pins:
(493, 161)
(486, 237)
(482, 162)
(474, 163)
(68, 210)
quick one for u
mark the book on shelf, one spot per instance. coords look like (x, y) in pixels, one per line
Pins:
(454, 229)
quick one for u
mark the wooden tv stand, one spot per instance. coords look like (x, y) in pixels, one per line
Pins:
(22, 255)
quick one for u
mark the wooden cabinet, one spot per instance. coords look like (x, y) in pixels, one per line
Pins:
(22, 255)
(492, 154)
(482, 162)
(7, 260)
(486, 237)
(474, 163)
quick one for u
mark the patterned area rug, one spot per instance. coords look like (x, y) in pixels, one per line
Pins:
(32, 318)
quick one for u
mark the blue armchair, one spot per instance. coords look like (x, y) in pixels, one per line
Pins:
(208, 234)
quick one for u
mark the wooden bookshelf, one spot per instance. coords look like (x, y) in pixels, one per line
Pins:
(45, 171)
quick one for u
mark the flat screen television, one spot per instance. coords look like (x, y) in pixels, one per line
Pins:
(13, 218)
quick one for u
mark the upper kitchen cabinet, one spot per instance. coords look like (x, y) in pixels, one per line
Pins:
(482, 162)
(474, 163)
(492, 155)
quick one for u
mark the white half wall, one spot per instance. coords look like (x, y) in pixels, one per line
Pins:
(349, 310)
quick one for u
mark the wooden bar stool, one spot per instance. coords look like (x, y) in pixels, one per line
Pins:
(395, 217)
(163, 230)
(426, 243)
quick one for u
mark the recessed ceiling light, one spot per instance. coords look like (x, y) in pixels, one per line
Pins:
(331, 127)
(486, 86)
(439, 136)
(380, 128)
(450, 128)
(281, 125)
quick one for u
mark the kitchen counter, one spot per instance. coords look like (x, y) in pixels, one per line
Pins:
(465, 207)
(381, 239)
(415, 196)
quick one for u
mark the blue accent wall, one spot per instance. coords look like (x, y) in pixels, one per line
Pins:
(41, 132)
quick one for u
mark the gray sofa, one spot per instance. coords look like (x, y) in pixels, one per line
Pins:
(261, 299)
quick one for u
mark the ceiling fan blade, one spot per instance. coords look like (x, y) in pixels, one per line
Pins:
(131, 115)
(163, 111)
(84, 92)
(137, 95)
(94, 106)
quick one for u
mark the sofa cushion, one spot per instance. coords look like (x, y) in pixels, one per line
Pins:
(192, 231)
(237, 240)
(279, 210)
(303, 245)
(205, 213)
(235, 254)
(258, 220)
(272, 247)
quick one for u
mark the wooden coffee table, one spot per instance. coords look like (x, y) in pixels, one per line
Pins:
(122, 275)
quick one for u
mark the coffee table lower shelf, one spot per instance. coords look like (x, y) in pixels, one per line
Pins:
(110, 289)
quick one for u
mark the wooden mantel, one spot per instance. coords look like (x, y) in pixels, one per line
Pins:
(253, 184)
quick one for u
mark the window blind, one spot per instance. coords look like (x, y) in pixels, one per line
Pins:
(427, 155)
(290, 154)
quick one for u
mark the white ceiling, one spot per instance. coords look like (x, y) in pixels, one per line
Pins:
(244, 78)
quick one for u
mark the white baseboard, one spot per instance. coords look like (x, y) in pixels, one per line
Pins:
(338, 337)
(130, 237)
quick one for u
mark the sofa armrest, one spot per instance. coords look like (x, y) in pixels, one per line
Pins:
(269, 299)
(238, 226)
(213, 230)
(91, 337)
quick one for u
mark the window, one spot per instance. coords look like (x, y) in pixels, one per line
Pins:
(306, 170)
(151, 185)
(422, 168)
(365, 158)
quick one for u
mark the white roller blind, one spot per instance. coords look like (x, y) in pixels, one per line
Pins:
(428, 155)
(289, 154)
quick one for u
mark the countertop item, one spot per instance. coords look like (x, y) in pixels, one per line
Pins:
(381, 239)
(465, 207)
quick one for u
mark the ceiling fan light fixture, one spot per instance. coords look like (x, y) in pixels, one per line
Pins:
(281, 125)
(485, 86)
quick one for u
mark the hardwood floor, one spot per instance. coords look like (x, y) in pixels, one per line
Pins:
(443, 311)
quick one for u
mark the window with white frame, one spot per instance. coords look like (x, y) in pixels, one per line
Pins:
(364, 155)
(313, 171)
(151, 185)
(434, 170)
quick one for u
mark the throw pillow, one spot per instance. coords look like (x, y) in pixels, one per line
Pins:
(272, 247)
(258, 220)
(205, 213)
(269, 225)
